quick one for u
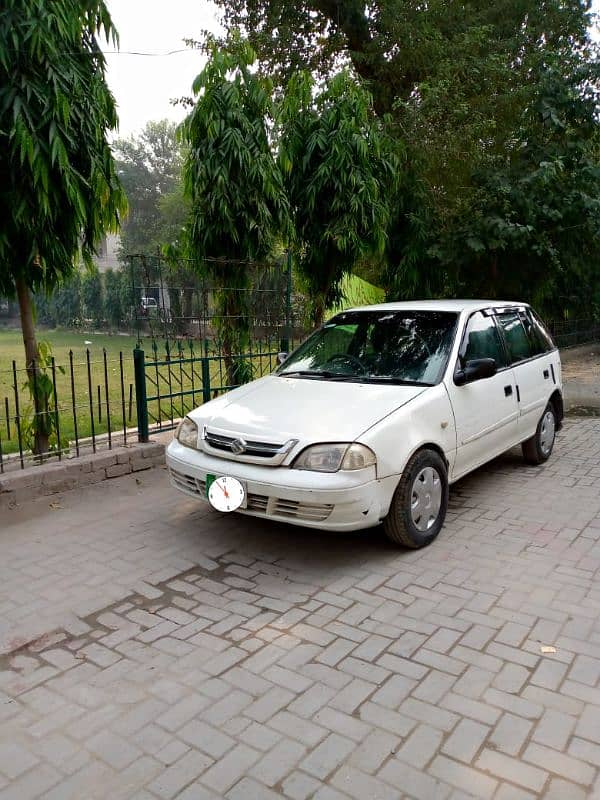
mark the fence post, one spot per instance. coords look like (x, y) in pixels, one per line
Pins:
(134, 301)
(139, 370)
(286, 340)
(205, 380)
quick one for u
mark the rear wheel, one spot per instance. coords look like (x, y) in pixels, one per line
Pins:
(538, 448)
(420, 501)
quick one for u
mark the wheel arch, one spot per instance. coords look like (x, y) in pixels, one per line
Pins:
(397, 524)
(556, 399)
(428, 446)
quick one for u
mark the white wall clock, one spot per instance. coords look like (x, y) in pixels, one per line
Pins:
(226, 494)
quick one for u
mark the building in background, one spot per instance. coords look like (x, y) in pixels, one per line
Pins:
(107, 252)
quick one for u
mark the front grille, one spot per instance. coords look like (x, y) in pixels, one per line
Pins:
(218, 441)
(260, 503)
(187, 483)
(315, 512)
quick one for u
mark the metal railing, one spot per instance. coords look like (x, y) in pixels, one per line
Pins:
(61, 410)
(571, 332)
(179, 376)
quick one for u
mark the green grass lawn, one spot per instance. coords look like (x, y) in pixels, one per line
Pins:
(112, 383)
(358, 292)
(83, 404)
(70, 413)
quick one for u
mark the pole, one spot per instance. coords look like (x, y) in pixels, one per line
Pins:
(139, 368)
(287, 339)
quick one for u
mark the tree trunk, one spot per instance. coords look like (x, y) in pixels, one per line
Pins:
(41, 442)
(318, 310)
(351, 17)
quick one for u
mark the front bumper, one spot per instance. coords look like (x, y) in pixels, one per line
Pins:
(339, 501)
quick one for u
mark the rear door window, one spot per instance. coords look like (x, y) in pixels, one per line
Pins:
(518, 342)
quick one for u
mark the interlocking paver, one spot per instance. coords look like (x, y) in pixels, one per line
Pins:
(199, 656)
(510, 733)
(299, 786)
(278, 762)
(327, 756)
(512, 769)
(421, 746)
(15, 759)
(229, 769)
(465, 740)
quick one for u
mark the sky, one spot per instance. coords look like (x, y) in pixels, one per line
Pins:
(145, 85)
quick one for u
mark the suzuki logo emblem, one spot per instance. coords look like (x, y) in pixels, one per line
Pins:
(238, 446)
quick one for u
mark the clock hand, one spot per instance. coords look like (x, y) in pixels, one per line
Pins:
(224, 490)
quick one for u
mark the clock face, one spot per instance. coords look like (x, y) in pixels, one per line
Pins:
(226, 494)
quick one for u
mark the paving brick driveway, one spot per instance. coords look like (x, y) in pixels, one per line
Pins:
(191, 655)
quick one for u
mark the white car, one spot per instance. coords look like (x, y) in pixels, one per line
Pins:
(374, 415)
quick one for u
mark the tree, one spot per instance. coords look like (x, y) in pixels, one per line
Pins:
(396, 45)
(116, 287)
(340, 170)
(92, 292)
(63, 306)
(462, 83)
(58, 188)
(234, 185)
(149, 166)
(527, 223)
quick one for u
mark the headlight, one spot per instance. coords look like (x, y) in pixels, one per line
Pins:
(187, 433)
(333, 457)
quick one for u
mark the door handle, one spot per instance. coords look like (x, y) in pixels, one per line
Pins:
(546, 374)
(508, 391)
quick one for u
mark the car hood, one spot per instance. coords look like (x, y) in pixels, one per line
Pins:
(303, 409)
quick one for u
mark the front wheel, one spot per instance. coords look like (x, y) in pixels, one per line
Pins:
(537, 449)
(420, 501)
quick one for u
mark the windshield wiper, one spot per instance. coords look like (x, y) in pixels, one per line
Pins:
(340, 376)
(394, 380)
(307, 373)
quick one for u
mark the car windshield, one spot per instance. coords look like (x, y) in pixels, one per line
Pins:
(377, 347)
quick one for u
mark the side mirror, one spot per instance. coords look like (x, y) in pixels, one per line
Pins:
(281, 357)
(475, 370)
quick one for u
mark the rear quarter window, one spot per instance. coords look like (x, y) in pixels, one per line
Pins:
(540, 338)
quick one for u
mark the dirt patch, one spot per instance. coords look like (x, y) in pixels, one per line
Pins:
(582, 366)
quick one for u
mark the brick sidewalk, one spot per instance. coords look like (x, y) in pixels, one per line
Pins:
(185, 654)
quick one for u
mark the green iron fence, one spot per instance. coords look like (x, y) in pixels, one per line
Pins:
(172, 378)
(213, 325)
(215, 300)
(572, 332)
(65, 407)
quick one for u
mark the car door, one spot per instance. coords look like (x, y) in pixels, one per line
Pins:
(532, 363)
(486, 411)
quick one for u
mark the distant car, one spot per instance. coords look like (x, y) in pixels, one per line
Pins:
(374, 415)
(148, 306)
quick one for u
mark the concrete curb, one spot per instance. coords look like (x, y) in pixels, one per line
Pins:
(578, 394)
(47, 479)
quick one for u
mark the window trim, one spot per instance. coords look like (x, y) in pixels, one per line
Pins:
(518, 311)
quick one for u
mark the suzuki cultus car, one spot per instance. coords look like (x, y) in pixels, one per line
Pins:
(374, 415)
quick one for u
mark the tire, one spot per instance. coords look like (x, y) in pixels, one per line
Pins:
(425, 478)
(538, 448)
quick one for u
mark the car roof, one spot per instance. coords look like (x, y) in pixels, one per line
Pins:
(440, 305)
